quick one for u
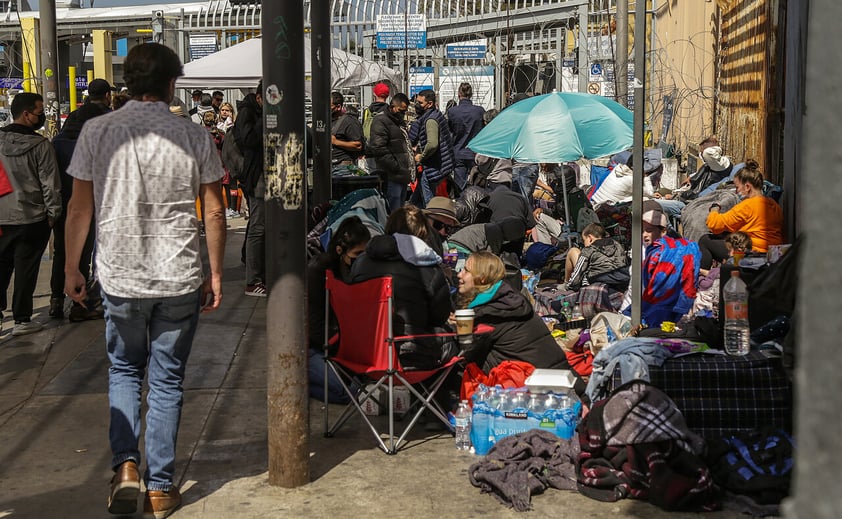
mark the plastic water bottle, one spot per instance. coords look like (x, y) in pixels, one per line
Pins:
(566, 311)
(577, 312)
(735, 297)
(463, 426)
(481, 417)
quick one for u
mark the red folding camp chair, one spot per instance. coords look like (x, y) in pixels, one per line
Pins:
(367, 352)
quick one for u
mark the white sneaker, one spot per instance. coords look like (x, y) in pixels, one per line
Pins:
(25, 328)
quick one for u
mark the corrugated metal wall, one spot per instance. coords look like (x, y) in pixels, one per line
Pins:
(748, 85)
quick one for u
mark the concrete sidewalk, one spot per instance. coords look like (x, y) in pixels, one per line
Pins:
(55, 460)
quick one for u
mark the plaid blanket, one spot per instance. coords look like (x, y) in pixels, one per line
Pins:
(636, 444)
(592, 299)
(520, 466)
(722, 395)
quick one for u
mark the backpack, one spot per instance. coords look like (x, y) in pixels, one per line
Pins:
(538, 254)
(367, 118)
(232, 157)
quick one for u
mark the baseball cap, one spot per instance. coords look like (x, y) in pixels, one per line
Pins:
(443, 207)
(100, 87)
(381, 90)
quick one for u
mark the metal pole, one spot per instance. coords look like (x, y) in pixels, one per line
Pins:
(320, 54)
(49, 66)
(582, 40)
(286, 208)
(637, 198)
(621, 60)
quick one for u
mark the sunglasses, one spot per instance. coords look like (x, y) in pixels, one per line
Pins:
(438, 225)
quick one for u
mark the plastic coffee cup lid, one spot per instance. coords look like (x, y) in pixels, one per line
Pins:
(465, 312)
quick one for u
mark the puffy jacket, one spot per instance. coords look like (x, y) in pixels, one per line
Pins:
(31, 167)
(389, 148)
(421, 302)
(249, 136)
(519, 334)
(601, 257)
(470, 206)
(441, 163)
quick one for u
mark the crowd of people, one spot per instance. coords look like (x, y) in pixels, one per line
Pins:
(454, 235)
(466, 246)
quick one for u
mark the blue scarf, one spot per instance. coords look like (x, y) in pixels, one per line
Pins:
(486, 295)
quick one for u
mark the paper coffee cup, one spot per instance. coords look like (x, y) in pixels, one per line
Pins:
(464, 321)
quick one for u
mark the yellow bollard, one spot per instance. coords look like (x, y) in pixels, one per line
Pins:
(71, 87)
(27, 76)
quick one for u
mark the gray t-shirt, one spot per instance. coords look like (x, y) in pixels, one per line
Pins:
(146, 165)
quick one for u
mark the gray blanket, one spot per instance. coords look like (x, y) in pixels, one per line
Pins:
(695, 213)
(523, 465)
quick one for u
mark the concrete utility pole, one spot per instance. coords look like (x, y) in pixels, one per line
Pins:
(49, 66)
(818, 383)
(320, 54)
(637, 183)
(286, 255)
(621, 58)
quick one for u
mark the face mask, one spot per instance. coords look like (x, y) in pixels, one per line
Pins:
(41, 120)
(400, 116)
(419, 108)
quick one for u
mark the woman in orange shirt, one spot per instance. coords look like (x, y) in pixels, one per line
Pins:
(756, 215)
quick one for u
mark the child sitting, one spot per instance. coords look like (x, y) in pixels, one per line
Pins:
(738, 245)
(602, 260)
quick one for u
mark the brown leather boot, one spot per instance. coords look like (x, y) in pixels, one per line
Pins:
(125, 486)
(159, 505)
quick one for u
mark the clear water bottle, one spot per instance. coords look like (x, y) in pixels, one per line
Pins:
(463, 426)
(735, 297)
(577, 312)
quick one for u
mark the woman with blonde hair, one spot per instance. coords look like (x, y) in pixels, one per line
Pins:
(226, 116)
(519, 334)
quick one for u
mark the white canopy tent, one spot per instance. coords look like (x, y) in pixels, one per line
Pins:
(240, 66)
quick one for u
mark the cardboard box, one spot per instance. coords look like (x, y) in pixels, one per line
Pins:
(378, 403)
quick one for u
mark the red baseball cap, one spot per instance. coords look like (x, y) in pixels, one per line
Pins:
(381, 90)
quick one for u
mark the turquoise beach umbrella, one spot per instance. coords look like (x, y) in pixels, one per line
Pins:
(557, 127)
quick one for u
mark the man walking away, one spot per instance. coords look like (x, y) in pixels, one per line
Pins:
(248, 132)
(148, 262)
(28, 214)
(390, 151)
(466, 120)
(430, 136)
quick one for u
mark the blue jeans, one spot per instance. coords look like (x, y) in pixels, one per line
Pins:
(428, 189)
(395, 195)
(460, 172)
(524, 178)
(672, 209)
(153, 335)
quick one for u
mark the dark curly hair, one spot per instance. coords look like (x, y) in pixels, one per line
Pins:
(149, 68)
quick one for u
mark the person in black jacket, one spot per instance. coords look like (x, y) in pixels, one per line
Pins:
(64, 143)
(388, 146)
(519, 334)
(248, 132)
(422, 302)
